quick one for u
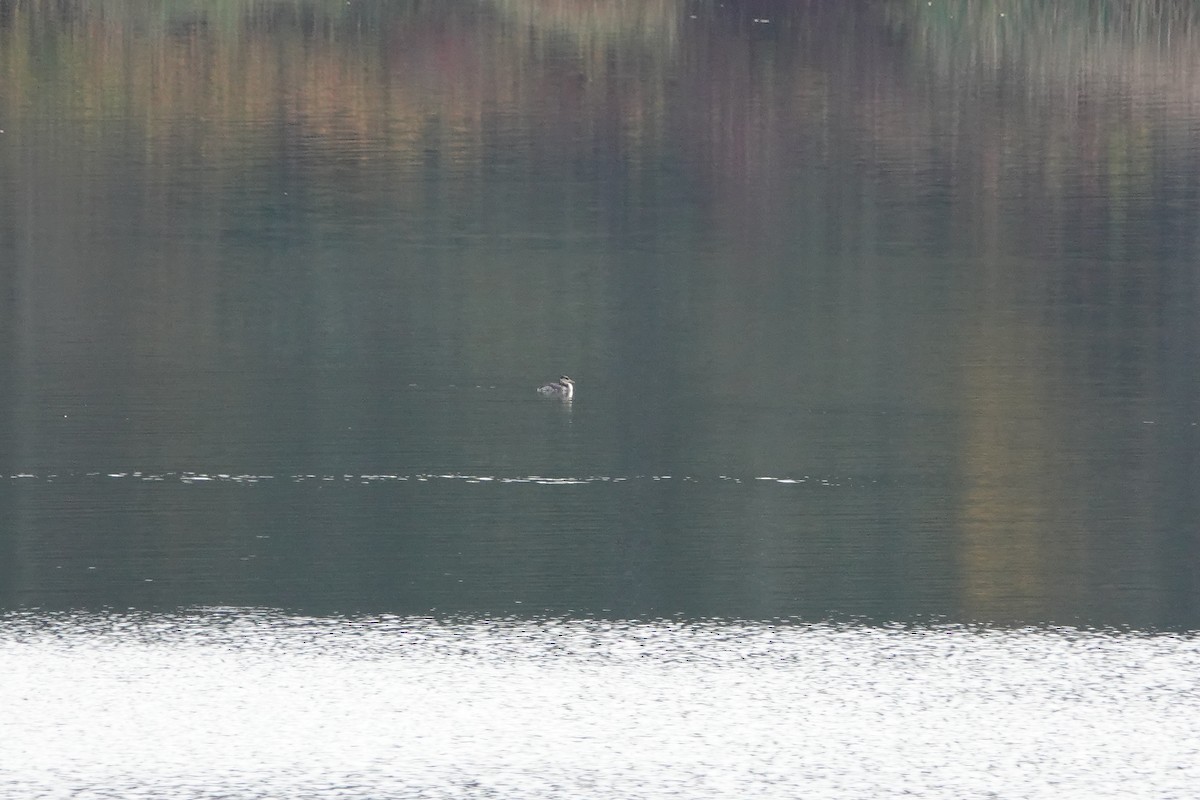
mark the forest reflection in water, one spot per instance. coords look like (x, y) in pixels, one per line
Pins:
(945, 253)
(880, 475)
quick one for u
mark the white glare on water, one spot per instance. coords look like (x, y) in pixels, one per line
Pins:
(234, 703)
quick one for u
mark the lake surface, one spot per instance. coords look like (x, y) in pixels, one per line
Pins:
(883, 323)
(231, 703)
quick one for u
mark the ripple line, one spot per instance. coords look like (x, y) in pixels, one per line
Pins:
(191, 477)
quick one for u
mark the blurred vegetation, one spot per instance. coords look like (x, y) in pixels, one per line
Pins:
(1042, 128)
(712, 168)
(1028, 129)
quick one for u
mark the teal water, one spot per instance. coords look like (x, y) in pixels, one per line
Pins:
(288, 240)
(882, 322)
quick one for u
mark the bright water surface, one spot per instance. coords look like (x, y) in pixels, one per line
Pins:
(222, 703)
(881, 475)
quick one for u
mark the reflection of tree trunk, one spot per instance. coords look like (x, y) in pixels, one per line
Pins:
(1012, 541)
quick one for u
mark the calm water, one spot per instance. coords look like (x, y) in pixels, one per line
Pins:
(882, 318)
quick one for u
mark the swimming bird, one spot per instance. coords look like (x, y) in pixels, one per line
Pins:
(564, 387)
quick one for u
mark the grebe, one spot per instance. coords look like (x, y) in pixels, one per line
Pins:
(564, 387)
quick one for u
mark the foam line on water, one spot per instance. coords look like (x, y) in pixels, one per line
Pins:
(190, 477)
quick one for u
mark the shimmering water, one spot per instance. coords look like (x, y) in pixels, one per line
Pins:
(233, 703)
(883, 322)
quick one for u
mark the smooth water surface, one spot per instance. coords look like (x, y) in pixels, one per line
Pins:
(881, 311)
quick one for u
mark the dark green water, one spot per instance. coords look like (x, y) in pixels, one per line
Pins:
(882, 310)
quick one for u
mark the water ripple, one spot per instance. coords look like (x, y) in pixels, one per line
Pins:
(194, 477)
(232, 702)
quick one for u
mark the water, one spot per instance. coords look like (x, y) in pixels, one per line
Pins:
(225, 703)
(882, 322)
